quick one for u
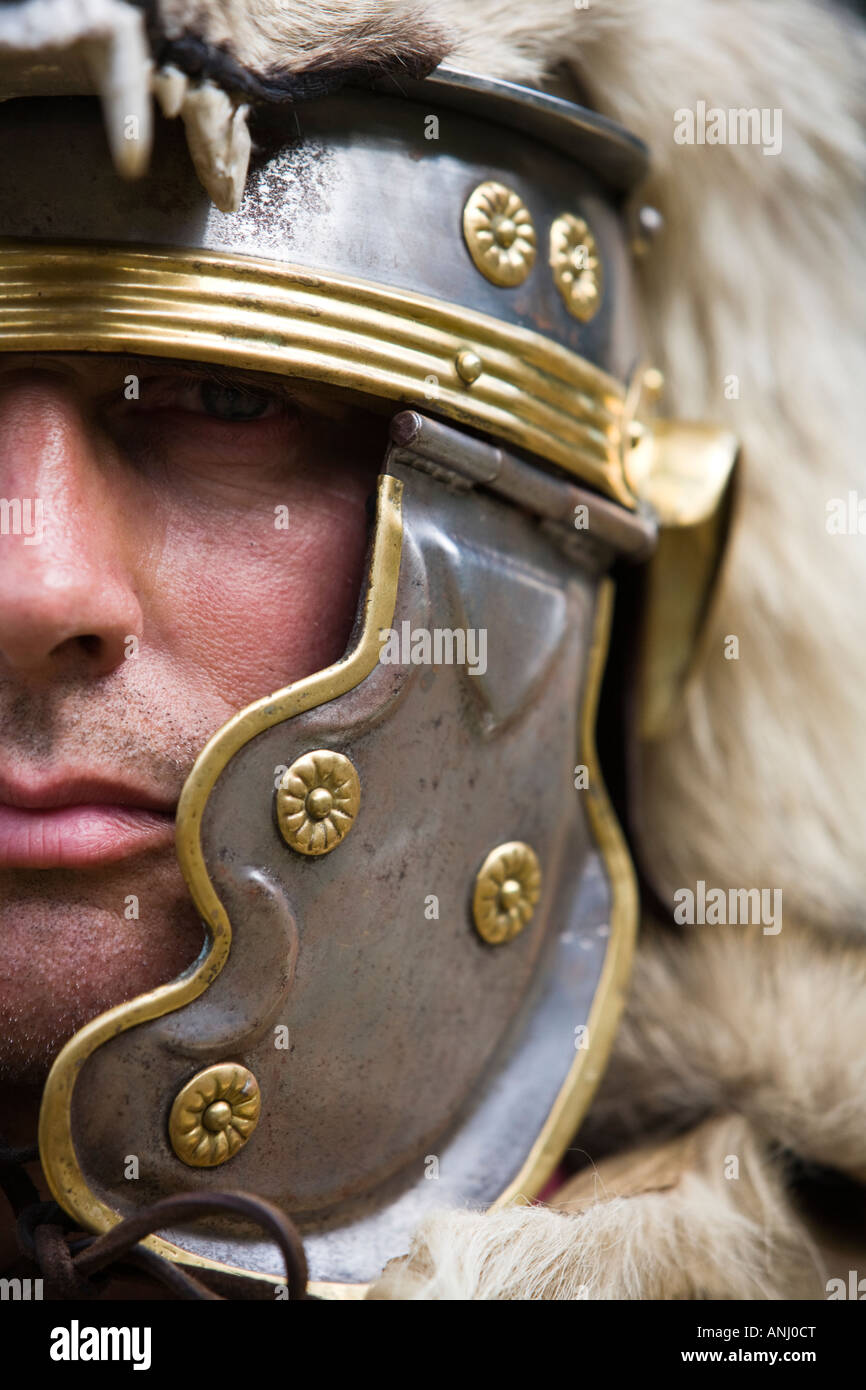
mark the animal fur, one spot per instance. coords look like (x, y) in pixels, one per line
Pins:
(271, 44)
(667, 1224)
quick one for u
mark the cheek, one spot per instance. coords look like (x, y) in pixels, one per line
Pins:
(246, 603)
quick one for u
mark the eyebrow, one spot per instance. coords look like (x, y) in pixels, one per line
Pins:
(210, 371)
(305, 397)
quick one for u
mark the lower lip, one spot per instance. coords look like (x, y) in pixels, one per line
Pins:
(74, 837)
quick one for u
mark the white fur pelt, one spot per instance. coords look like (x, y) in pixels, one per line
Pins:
(727, 1019)
(758, 278)
(681, 1229)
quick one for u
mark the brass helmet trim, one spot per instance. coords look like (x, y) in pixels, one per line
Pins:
(237, 310)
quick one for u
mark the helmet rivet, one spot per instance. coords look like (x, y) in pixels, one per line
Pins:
(317, 801)
(217, 1116)
(504, 230)
(214, 1114)
(507, 887)
(469, 365)
(649, 223)
(509, 894)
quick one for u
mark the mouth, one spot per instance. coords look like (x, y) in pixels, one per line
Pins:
(75, 823)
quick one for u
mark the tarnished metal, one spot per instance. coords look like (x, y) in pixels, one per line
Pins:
(316, 183)
(408, 1035)
(615, 156)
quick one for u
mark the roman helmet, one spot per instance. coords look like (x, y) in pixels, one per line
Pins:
(419, 908)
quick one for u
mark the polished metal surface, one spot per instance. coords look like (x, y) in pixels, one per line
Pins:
(409, 1037)
(349, 184)
(461, 461)
(619, 158)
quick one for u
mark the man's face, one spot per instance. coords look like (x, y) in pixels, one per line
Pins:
(169, 558)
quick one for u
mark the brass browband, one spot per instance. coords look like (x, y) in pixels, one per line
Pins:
(523, 388)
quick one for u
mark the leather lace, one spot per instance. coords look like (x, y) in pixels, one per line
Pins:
(73, 1264)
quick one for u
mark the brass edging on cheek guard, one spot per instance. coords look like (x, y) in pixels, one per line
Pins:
(56, 1144)
(588, 1066)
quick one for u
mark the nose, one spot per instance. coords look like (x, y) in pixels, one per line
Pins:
(67, 602)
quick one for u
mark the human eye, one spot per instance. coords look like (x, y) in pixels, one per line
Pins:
(215, 396)
(224, 402)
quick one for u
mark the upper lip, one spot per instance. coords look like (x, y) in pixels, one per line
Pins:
(71, 789)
